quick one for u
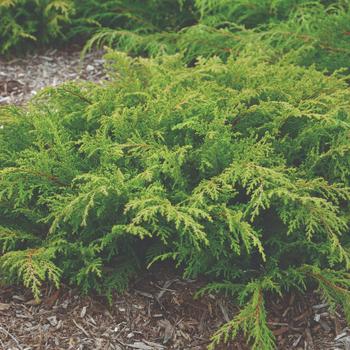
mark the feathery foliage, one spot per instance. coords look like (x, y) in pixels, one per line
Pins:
(295, 31)
(28, 23)
(227, 152)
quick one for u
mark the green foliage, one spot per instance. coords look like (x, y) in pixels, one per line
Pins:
(28, 23)
(228, 168)
(25, 21)
(227, 152)
(145, 16)
(251, 319)
(32, 266)
(333, 285)
(251, 13)
(297, 31)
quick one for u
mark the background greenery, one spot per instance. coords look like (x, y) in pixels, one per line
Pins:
(299, 31)
(224, 146)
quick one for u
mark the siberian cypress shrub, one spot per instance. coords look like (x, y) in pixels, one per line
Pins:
(295, 31)
(239, 171)
(31, 23)
(25, 22)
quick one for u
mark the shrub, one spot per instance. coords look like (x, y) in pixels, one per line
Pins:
(239, 171)
(150, 15)
(297, 31)
(31, 21)
(250, 13)
(301, 32)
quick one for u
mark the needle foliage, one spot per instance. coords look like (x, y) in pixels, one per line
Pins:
(27, 24)
(298, 31)
(238, 170)
(295, 31)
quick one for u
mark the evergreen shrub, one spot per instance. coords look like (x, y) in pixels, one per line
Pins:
(237, 170)
(298, 31)
(295, 31)
(36, 23)
(27, 22)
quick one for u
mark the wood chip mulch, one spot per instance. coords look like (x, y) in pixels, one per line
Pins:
(158, 312)
(23, 77)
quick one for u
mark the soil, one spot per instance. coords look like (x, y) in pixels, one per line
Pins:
(23, 77)
(159, 311)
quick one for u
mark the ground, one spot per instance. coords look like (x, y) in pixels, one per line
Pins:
(159, 310)
(21, 78)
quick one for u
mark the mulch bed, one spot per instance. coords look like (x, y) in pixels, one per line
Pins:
(21, 78)
(159, 311)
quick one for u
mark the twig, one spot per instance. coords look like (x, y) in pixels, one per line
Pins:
(76, 94)
(224, 311)
(11, 336)
(2, 344)
(309, 339)
(81, 328)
